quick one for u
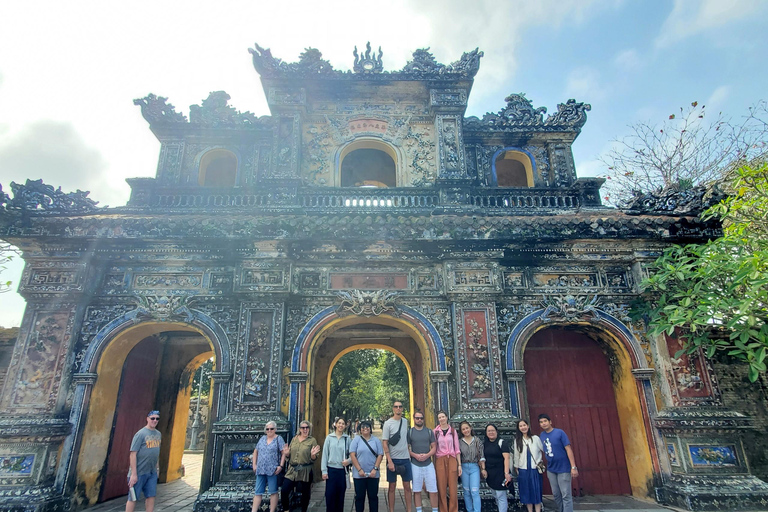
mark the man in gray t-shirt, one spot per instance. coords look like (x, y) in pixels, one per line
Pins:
(398, 462)
(142, 475)
(422, 445)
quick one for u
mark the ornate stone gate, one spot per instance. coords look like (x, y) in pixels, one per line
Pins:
(366, 197)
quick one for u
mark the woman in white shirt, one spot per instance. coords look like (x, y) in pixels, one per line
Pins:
(528, 454)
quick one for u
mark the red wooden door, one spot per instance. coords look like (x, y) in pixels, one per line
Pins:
(135, 399)
(567, 377)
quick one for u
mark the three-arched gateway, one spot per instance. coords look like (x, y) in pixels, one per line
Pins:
(366, 211)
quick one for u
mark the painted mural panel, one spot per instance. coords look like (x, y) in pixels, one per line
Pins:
(257, 376)
(711, 455)
(479, 359)
(38, 365)
(690, 380)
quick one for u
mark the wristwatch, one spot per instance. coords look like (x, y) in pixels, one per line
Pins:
(574, 467)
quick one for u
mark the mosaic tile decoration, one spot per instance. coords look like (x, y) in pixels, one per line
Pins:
(16, 465)
(241, 461)
(713, 455)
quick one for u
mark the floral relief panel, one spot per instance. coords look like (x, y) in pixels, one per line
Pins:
(40, 361)
(258, 361)
(479, 359)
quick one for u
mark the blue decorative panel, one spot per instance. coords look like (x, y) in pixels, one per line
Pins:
(16, 465)
(241, 461)
(672, 454)
(710, 455)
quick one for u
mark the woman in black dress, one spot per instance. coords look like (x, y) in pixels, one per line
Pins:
(496, 469)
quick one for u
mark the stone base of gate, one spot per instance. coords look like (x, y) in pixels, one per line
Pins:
(32, 499)
(233, 497)
(709, 493)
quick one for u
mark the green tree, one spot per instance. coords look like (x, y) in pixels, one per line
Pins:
(716, 293)
(7, 253)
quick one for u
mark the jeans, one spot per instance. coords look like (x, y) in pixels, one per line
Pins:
(501, 499)
(369, 487)
(305, 488)
(561, 490)
(470, 481)
(335, 487)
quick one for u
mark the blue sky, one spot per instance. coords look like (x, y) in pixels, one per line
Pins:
(70, 70)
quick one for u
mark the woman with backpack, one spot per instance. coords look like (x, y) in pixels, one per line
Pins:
(366, 453)
(496, 470)
(447, 464)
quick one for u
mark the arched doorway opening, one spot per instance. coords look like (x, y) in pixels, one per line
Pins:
(629, 382)
(571, 381)
(144, 367)
(365, 336)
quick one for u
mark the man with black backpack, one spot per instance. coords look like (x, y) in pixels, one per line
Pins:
(422, 445)
(393, 435)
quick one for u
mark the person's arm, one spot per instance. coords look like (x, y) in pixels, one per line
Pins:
(572, 460)
(432, 450)
(458, 451)
(279, 468)
(376, 464)
(356, 464)
(254, 458)
(390, 464)
(507, 474)
(324, 459)
(134, 477)
(481, 461)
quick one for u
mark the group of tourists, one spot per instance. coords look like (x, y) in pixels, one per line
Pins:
(425, 459)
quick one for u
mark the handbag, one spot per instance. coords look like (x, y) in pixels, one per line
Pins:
(396, 436)
(540, 466)
(281, 474)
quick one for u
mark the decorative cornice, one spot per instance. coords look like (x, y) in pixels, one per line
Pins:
(515, 375)
(440, 376)
(220, 376)
(298, 377)
(87, 379)
(643, 373)
(311, 65)
(520, 115)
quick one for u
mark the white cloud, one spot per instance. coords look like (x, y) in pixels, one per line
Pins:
(718, 97)
(55, 152)
(691, 17)
(628, 60)
(585, 84)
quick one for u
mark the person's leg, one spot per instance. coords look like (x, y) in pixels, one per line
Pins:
(150, 491)
(475, 489)
(373, 494)
(273, 502)
(305, 488)
(407, 495)
(361, 488)
(256, 502)
(441, 472)
(285, 494)
(556, 494)
(130, 506)
(501, 500)
(391, 496)
(453, 484)
(564, 482)
(466, 484)
(418, 485)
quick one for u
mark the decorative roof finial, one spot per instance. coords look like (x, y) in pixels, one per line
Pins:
(368, 63)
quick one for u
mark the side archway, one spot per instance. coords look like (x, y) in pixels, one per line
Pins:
(629, 375)
(96, 411)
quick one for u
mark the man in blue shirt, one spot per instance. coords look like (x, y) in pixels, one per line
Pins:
(561, 465)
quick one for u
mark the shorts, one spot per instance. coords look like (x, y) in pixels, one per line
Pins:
(264, 481)
(147, 485)
(406, 477)
(424, 476)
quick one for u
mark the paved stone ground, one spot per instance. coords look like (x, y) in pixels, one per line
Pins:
(179, 496)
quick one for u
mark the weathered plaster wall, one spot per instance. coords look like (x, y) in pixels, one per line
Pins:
(752, 399)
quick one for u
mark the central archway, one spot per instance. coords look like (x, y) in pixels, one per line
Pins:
(328, 336)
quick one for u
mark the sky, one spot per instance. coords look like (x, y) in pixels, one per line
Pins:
(69, 71)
